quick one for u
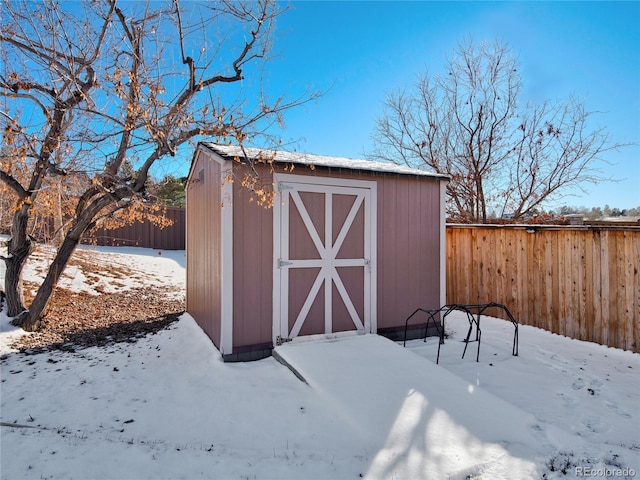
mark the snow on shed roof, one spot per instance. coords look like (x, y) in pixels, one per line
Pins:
(279, 156)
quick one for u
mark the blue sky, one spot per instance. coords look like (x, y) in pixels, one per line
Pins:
(362, 50)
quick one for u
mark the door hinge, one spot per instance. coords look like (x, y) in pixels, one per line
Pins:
(283, 186)
(280, 340)
(282, 263)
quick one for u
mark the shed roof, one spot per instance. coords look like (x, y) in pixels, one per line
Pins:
(230, 152)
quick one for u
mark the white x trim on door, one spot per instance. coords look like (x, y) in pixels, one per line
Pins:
(325, 260)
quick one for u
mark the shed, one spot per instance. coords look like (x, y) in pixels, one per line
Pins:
(347, 245)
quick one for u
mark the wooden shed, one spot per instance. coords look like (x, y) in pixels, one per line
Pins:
(347, 245)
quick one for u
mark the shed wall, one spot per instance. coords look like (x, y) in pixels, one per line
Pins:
(408, 253)
(408, 247)
(252, 266)
(203, 240)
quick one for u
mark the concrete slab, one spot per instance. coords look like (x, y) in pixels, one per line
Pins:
(403, 405)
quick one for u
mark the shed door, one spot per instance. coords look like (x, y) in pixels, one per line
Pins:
(324, 258)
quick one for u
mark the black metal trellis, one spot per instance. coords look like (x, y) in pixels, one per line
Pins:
(430, 320)
(473, 312)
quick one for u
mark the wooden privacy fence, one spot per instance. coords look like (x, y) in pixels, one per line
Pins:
(145, 234)
(582, 282)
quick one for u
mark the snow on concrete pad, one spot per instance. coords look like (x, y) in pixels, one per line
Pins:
(423, 421)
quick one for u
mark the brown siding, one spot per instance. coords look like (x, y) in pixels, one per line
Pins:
(300, 282)
(252, 265)
(408, 247)
(576, 281)
(203, 246)
(300, 243)
(352, 277)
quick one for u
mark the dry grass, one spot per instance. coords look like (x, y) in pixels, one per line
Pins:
(76, 320)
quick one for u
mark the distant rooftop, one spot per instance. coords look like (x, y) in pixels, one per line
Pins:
(232, 151)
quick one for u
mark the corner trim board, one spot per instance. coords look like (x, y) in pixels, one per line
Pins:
(443, 243)
(226, 247)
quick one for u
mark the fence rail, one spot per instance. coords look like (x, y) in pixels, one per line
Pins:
(582, 282)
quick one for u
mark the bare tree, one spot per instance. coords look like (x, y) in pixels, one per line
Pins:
(91, 87)
(467, 123)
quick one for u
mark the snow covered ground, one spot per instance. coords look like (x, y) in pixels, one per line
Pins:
(167, 407)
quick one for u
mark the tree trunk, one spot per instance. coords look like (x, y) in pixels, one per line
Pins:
(13, 278)
(32, 318)
(19, 248)
(481, 210)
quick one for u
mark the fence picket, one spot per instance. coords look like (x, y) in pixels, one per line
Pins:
(581, 282)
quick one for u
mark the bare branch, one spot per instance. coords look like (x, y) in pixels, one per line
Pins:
(500, 158)
(107, 100)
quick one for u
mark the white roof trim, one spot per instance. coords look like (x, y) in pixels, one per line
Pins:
(279, 156)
